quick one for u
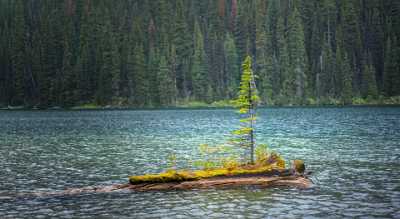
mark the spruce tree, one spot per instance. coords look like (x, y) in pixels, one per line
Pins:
(347, 90)
(18, 58)
(369, 88)
(199, 69)
(231, 65)
(247, 102)
(68, 94)
(296, 79)
(391, 68)
(140, 78)
(165, 81)
(183, 43)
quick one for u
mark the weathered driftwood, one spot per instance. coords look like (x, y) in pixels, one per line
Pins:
(227, 182)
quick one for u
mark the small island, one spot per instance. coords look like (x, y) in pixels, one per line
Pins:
(263, 167)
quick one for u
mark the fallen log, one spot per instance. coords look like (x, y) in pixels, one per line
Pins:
(217, 182)
(261, 177)
(227, 182)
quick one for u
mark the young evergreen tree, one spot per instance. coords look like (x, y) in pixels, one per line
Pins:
(247, 102)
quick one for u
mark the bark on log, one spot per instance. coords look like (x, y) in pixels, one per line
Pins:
(227, 182)
(272, 179)
(217, 182)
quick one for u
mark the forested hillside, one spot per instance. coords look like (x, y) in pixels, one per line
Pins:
(163, 52)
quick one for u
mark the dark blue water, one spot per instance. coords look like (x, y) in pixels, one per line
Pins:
(354, 154)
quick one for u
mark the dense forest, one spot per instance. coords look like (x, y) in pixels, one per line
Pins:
(164, 52)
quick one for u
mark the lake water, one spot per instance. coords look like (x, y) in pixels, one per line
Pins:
(354, 154)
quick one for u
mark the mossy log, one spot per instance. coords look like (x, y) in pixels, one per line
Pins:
(273, 178)
(182, 180)
(297, 181)
(226, 182)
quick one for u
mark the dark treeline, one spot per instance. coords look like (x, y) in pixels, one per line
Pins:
(162, 52)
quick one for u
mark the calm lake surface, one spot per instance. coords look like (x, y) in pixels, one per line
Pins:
(354, 154)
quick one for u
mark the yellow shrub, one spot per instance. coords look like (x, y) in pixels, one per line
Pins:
(280, 162)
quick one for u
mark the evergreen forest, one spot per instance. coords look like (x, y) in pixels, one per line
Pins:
(154, 53)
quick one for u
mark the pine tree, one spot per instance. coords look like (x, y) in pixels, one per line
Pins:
(199, 68)
(298, 47)
(182, 40)
(296, 79)
(273, 27)
(391, 69)
(263, 60)
(82, 73)
(109, 79)
(247, 102)
(328, 68)
(231, 66)
(347, 82)
(279, 82)
(18, 58)
(140, 78)
(68, 96)
(352, 39)
(166, 86)
(369, 88)
(152, 70)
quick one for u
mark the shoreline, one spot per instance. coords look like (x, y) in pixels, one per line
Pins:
(185, 107)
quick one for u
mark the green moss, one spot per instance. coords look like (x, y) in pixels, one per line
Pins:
(180, 176)
(169, 176)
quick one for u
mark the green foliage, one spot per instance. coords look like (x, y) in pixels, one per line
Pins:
(166, 86)
(18, 58)
(163, 53)
(359, 101)
(347, 89)
(246, 103)
(87, 106)
(370, 91)
(232, 67)
(215, 157)
(199, 68)
(295, 80)
(180, 176)
(261, 153)
(172, 161)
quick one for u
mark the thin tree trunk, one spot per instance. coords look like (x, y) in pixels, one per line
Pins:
(251, 107)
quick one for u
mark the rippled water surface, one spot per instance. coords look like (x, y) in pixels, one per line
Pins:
(354, 154)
